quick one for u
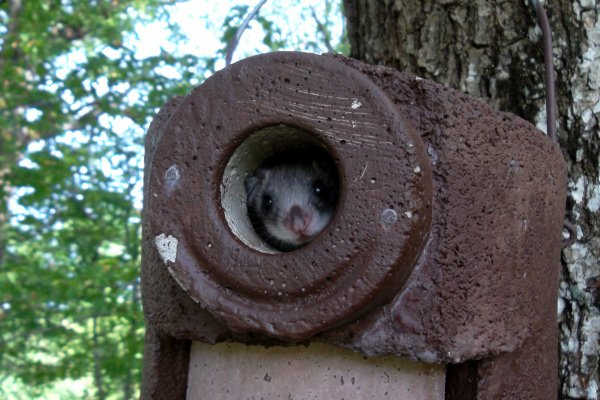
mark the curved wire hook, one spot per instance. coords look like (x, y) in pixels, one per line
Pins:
(241, 30)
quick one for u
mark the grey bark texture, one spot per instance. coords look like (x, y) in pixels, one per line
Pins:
(493, 50)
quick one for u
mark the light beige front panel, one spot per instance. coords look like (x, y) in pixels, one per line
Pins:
(232, 371)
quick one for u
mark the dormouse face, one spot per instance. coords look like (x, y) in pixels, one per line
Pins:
(289, 204)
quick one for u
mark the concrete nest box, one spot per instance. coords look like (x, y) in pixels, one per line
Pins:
(443, 247)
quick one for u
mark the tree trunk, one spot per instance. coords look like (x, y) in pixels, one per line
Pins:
(492, 50)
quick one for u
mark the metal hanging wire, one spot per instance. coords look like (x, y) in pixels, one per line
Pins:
(551, 96)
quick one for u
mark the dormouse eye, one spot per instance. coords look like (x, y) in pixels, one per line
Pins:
(321, 191)
(267, 203)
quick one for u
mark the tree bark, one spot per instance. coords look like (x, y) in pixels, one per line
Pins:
(492, 50)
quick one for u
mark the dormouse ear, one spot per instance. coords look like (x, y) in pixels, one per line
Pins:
(250, 184)
(323, 166)
(252, 181)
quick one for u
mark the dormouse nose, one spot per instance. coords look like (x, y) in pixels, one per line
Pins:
(298, 219)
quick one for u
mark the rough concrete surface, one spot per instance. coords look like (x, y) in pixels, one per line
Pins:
(479, 286)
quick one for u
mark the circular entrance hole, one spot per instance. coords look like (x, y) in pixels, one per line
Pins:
(260, 146)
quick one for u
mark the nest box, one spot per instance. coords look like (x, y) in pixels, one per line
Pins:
(444, 246)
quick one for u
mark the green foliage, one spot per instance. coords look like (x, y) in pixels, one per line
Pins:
(76, 100)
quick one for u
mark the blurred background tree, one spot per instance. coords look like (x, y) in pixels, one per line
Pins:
(79, 88)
